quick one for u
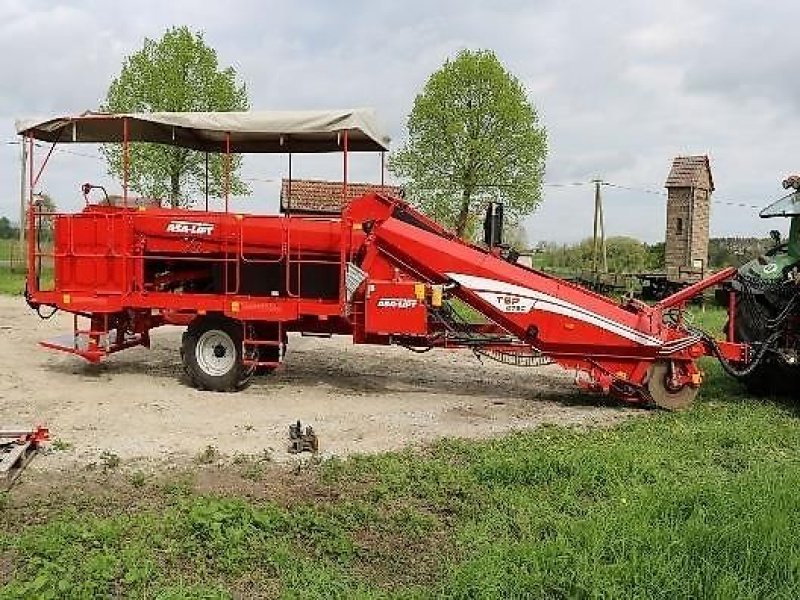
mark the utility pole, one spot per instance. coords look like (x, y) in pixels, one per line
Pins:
(23, 197)
(599, 237)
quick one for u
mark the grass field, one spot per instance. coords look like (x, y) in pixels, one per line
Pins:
(12, 269)
(12, 279)
(12, 283)
(701, 504)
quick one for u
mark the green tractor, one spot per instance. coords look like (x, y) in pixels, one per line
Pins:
(767, 305)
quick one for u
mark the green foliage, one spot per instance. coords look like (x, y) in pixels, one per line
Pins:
(734, 252)
(44, 207)
(12, 283)
(656, 256)
(7, 230)
(179, 72)
(516, 236)
(625, 255)
(60, 445)
(473, 136)
(629, 255)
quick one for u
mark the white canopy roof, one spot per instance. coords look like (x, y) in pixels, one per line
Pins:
(256, 131)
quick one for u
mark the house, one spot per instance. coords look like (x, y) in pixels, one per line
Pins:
(325, 197)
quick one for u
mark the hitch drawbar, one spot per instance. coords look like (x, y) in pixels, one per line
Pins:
(17, 448)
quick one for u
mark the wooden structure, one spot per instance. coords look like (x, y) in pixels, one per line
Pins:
(689, 187)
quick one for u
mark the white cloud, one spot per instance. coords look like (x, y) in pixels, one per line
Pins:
(621, 87)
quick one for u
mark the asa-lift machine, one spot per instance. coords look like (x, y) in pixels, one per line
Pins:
(379, 270)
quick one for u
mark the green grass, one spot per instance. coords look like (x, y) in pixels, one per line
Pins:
(11, 282)
(701, 504)
(12, 272)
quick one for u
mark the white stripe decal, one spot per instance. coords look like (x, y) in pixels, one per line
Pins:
(489, 288)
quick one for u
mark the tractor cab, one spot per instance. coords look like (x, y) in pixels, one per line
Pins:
(762, 304)
(780, 260)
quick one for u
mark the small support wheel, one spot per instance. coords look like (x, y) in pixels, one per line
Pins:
(211, 352)
(663, 393)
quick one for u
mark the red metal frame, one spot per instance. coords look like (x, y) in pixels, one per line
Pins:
(131, 269)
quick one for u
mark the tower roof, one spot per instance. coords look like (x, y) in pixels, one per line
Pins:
(687, 171)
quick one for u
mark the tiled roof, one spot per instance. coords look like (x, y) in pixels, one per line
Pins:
(326, 196)
(686, 171)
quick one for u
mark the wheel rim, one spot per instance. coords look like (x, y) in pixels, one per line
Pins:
(215, 353)
(664, 395)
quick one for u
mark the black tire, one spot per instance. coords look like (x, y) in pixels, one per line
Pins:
(771, 377)
(211, 352)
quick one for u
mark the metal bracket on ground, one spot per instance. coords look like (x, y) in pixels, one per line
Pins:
(302, 441)
(17, 448)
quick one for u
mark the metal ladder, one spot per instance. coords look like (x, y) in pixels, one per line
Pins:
(252, 345)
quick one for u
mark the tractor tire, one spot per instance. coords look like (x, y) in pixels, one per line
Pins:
(771, 377)
(211, 352)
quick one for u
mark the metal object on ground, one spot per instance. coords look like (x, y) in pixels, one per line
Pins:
(302, 441)
(17, 448)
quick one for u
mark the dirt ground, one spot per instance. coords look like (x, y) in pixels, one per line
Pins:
(138, 406)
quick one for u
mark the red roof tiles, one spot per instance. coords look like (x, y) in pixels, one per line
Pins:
(308, 195)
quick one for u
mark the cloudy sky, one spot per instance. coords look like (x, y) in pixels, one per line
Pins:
(621, 87)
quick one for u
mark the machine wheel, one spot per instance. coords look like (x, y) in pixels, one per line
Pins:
(771, 377)
(211, 352)
(663, 394)
(758, 382)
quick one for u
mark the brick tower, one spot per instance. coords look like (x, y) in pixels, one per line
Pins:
(689, 187)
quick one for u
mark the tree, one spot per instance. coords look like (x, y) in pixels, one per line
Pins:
(179, 72)
(44, 208)
(473, 136)
(7, 230)
(516, 236)
(625, 255)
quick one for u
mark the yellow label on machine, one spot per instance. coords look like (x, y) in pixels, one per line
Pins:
(437, 295)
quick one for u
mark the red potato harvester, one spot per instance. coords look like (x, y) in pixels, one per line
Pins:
(379, 271)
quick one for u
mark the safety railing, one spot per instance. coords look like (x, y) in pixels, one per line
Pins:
(97, 236)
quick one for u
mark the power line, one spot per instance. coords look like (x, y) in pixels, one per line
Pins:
(717, 200)
(722, 200)
(100, 158)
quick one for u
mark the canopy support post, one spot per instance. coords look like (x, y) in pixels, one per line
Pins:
(125, 161)
(344, 168)
(383, 169)
(227, 168)
(31, 224)
(206, 181)
(35, 180)
(22, 195)
(289, 188)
